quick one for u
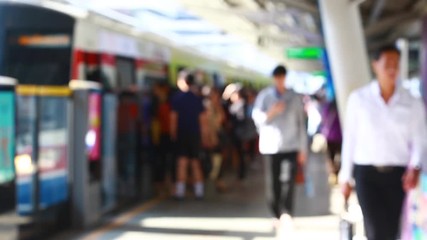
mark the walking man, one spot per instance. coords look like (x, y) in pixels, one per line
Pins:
(384, 143)
(280, 118)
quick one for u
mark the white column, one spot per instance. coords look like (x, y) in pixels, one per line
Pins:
(403, 46)
(346, 47)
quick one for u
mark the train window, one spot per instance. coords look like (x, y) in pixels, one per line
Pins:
(53, 115)
(42, 59)
(125, 72)
(150, 73)
(25, 124)
(52, 157)
(24, 163)
(150, 81)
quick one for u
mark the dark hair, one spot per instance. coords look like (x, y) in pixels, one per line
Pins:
(243, 93)
(376, 55)
(279, 71)
(190, 79)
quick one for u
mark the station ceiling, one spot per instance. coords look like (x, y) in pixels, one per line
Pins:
(255, 33)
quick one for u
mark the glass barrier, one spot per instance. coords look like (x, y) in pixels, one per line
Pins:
(41, 148)
(24, 163)
(7, 135)
(52, 148)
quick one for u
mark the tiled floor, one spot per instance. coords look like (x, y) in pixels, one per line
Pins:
(240, 214)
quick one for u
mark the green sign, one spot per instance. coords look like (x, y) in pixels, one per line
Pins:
(319, 73)
(7, 135)
(304, 53)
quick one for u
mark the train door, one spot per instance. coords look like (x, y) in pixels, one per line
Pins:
(36, 46)
(108, 77)
(128, 131)
(101, 68)
(42, 183)
(149, 74)
(109, 156)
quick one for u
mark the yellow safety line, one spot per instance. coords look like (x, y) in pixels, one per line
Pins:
(122, 219)
(34, 90)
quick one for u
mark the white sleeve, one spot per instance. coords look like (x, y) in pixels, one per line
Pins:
(259, 115)
(419, 135)
(349, 140)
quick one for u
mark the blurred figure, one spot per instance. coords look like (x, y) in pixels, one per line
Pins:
(215, 119)
(251, 144)
(331, 130)
(244, 129)
(280, 117)
(384, 143)
(227, 138)
(163, 166)
(188, 121)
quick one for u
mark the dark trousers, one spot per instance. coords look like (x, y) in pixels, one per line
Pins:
(281, 169)
(334, 148)
(242, 159)
(381, 196)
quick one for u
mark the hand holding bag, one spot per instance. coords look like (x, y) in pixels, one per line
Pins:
(346, 225)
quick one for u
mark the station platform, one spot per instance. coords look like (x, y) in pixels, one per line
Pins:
(239, 214)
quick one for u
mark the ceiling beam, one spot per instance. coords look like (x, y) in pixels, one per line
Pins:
(418, 10)
(390, 22)
(300, 4)
(261, 3)
(391, 37)
(265, 20)
(376, 11)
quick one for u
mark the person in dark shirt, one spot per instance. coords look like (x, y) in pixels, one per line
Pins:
(187, 118)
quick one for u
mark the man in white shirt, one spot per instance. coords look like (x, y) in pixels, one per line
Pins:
(384, 143)
(280, 118)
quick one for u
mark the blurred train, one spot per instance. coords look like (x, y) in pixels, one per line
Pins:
(44, 49)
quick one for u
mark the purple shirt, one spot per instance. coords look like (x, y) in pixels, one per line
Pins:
(331, 127)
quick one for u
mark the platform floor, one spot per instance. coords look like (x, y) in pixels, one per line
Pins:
(240, 214)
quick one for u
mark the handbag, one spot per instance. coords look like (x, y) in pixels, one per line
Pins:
(299, 177)
(319, 143)
(346, 225)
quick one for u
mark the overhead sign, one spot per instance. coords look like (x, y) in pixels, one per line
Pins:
(38, 40)
(304, 53)
(319, 73)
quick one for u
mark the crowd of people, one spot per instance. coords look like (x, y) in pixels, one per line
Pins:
(207, 131)
(202, 130)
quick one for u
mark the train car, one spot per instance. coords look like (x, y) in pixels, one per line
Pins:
(44, 49)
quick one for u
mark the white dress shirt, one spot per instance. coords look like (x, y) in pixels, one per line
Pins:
(382, 134)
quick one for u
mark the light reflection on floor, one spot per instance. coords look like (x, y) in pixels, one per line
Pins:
(253, 225)
(158, 236)
(324, 227)
(241, 214)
